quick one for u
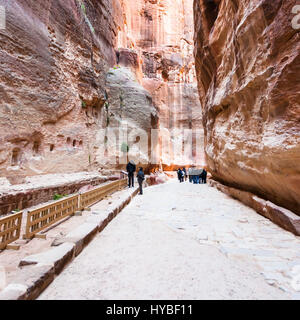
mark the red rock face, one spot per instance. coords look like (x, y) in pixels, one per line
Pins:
(59, 61)
(54, 57)
(161, 34)
(248, 66)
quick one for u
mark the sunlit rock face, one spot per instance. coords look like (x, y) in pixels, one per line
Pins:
(161, 34)
(64, 67)
(128, 117)
(247, 64)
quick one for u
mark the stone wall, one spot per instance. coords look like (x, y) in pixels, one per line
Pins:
(32, 197)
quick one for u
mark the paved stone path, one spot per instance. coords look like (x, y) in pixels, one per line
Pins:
(184, 241)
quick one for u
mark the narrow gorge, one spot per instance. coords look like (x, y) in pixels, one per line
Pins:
(74, 70)
(149, 149)
(70, 68)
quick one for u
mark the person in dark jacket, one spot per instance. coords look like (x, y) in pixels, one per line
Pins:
(184, 171)
(180, 175)
(141, 178)
(203, 176)
(190, 171)
(130, 168)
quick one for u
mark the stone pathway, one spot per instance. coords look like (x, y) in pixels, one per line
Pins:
(184, 241)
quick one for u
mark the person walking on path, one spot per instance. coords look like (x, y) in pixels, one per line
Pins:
(180, 175)
(185, 175)
(141, 178)
(204, 176)
(190, 170)
(196, 175)
(131, 168)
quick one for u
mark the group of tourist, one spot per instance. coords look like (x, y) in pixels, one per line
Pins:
(196, 176)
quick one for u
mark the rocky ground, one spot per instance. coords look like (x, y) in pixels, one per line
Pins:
(184, 242)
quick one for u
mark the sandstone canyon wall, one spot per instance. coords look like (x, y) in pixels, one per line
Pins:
(54, 59)
(248, 66)
(161, 33)
(71, 69)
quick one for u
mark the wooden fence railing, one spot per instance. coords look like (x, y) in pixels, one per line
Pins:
(123, 183)
(44, 217)
(91, 197)
(10, 228)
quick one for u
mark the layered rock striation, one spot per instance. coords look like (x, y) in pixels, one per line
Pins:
(54, 59)
(161, 33)
(71, 68)
(248, 66)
